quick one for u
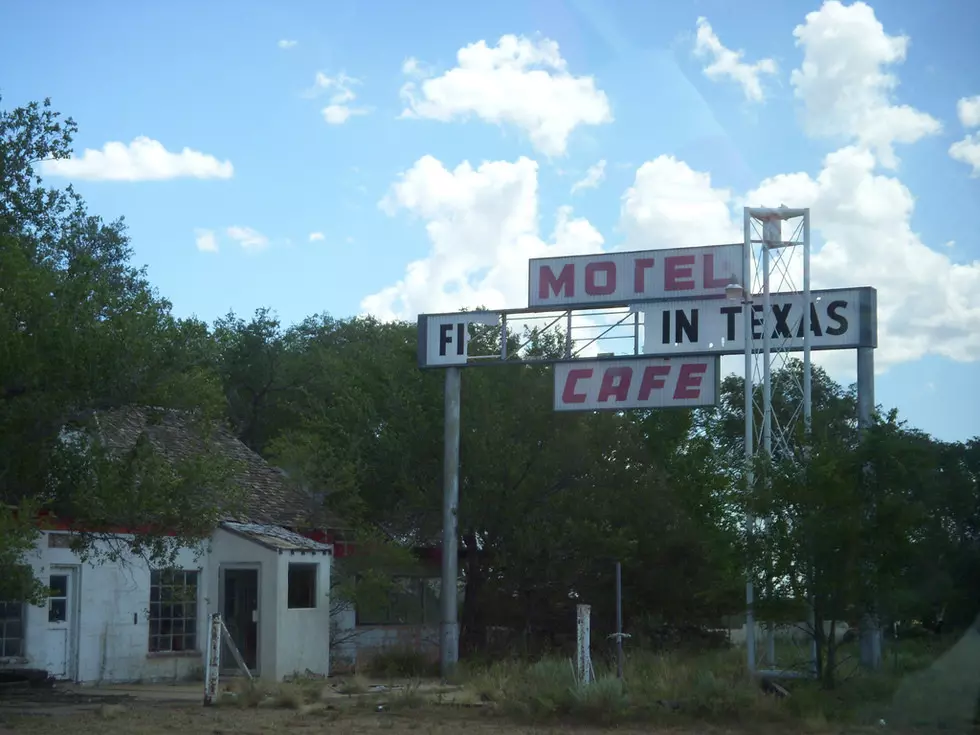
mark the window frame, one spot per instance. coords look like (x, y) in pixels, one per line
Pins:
(163, 584)
(21, 620)
(313, 567)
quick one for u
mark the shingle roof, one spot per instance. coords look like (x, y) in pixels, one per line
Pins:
(271, 498)
(275, 537)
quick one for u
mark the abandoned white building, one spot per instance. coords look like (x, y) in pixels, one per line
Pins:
(268, 574)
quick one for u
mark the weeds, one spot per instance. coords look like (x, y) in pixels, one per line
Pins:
(401, 663)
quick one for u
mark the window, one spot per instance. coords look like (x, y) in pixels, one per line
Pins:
(57, 598)
(302, 586)
(173, 611)
(410, 601)
(11, 629)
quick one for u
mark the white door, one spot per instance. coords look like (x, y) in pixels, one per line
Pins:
(60, 636)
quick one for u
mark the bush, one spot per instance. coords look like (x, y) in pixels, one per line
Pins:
(401, 663)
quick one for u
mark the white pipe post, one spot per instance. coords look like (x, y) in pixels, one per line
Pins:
(772, 236)
(449, 638)
(213, 661)
(808, 403)
(583, 658)
(749, 417)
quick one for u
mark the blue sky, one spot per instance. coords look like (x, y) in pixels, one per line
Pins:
(630, 89)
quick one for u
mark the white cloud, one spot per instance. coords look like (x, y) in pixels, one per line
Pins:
(339, 108)
(248, 238)
(926, 303)
(727, 63)
(483, 226)
(286, 43)
(671, 205)
(520, 82)
(968, 111)
(967, 151)
(144, 159)
(317, 237)
(844, 85)
(206, 241)
(593, 177)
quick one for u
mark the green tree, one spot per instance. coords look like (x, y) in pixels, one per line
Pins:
(81, 331)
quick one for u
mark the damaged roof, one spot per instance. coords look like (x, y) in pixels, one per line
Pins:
(275, 537)
(176, 435)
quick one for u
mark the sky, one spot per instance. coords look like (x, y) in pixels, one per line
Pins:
(401, 158)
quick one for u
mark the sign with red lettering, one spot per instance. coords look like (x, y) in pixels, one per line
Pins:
(637, 382)
(621, 278)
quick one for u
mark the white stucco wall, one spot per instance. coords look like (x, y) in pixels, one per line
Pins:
(304, 634)
(109, 629)
(231, 551)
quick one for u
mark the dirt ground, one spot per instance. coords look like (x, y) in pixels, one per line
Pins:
(171, 718)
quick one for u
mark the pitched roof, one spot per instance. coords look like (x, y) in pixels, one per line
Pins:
(271, 497)
(276, 537)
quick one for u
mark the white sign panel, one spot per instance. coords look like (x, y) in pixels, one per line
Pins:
(620, 278)
(443, 338)
(839, 319)
(636, 382)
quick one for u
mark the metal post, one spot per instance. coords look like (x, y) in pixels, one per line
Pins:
(213, 661)
(749, 417)
(583, 658)
(808, 403)
(449, 639)
(619, 620)
(771, 229)
(870, 632)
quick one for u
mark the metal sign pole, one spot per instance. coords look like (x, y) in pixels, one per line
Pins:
(449, 638)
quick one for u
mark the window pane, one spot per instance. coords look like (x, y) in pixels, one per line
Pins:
(57, 610)
(58, 584)
(173, 611)
(301, 591)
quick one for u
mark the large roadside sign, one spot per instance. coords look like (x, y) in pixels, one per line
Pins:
(581, 281)
(840, 319)
(637, 383)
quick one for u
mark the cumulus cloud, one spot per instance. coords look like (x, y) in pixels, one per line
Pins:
(725, 63)
(317, 237)
(845, 84)
(968, 111)
(286, 44)
(593, 177)
(340, 107)
(520, 82)
(206, 241)
(482, 224)
(967, 150)
(144, 159)
(247, 237)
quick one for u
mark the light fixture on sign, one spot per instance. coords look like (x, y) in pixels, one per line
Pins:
(734, 290)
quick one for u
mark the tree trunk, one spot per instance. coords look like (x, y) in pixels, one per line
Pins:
(828, 674)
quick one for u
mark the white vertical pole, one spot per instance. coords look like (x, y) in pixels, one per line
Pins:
(749, 417)
(808, 401)
(449, 638)
(583, 658)
(772, 235)
(213, 662)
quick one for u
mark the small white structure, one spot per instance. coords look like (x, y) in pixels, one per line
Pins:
(126, 622)
(122, 621)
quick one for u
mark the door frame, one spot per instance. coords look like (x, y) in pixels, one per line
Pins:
(248, 566)
(74, 572)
